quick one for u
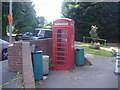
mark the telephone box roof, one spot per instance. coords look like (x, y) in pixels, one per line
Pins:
(65, 19)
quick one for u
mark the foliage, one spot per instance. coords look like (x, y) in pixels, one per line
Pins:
(42, 20)
(4, 17)
(24, 17)
(105, 46)
(93, 33)
(85, 14)
(48, 27)
(50, 64)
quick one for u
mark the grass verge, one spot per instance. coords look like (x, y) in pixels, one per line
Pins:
(95, 51)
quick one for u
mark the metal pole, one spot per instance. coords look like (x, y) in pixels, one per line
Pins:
(84, 39)
(10, 24)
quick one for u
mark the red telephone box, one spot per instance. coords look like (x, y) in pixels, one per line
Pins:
(63, 44)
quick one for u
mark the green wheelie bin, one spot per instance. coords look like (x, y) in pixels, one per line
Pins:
(37, 65)
(79, 56)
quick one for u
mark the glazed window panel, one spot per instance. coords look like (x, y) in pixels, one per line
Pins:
(61, 49)
(61, 31)
(61, 40)
(61, 35)
(61, 54)
(60, 63)
(61, 44)
(60, 58)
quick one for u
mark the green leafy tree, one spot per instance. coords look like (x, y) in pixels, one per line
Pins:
(42, 20)
(85, 14)
(5, 9)
(24, 17)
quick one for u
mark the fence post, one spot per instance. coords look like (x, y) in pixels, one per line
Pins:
(84, 39)
(105, 42)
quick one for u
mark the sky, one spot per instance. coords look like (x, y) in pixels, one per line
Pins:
(50, 9)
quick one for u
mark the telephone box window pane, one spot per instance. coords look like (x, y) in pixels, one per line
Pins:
(61, 54)
(61, 40)
(61, 31)
(60, 63)
(61, 36)
(61, 49)
(58, 40)
(60, 58)
(61, 45)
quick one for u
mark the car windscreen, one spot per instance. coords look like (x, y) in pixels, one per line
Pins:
(38, 33)
(41, 33)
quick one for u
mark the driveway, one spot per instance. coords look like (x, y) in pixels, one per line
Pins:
(98, 75)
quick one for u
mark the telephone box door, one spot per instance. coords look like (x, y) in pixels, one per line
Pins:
(62, 45)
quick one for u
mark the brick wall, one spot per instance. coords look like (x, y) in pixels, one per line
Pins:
(44, 44)
(15, 52)
(15, 56)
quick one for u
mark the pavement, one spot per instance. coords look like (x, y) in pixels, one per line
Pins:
(99, 75)
(7, 75)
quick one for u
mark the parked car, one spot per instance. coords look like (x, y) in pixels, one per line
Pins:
(3, 49)
(35, 34)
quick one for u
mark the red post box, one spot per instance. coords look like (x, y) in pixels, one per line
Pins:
(63, 44)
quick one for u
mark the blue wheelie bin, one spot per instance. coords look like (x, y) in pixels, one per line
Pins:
(79, 56)
(37, 65)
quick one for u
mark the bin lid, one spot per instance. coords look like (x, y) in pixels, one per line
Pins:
(78, 48)
(35, 52)
(118, 54)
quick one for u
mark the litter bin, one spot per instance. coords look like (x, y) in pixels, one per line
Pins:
(37, 65)
(45, 64)
(79, 58)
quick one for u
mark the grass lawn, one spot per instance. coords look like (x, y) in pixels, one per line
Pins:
(95, 51)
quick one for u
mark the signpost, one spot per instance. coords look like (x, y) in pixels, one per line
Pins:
(10, 21)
